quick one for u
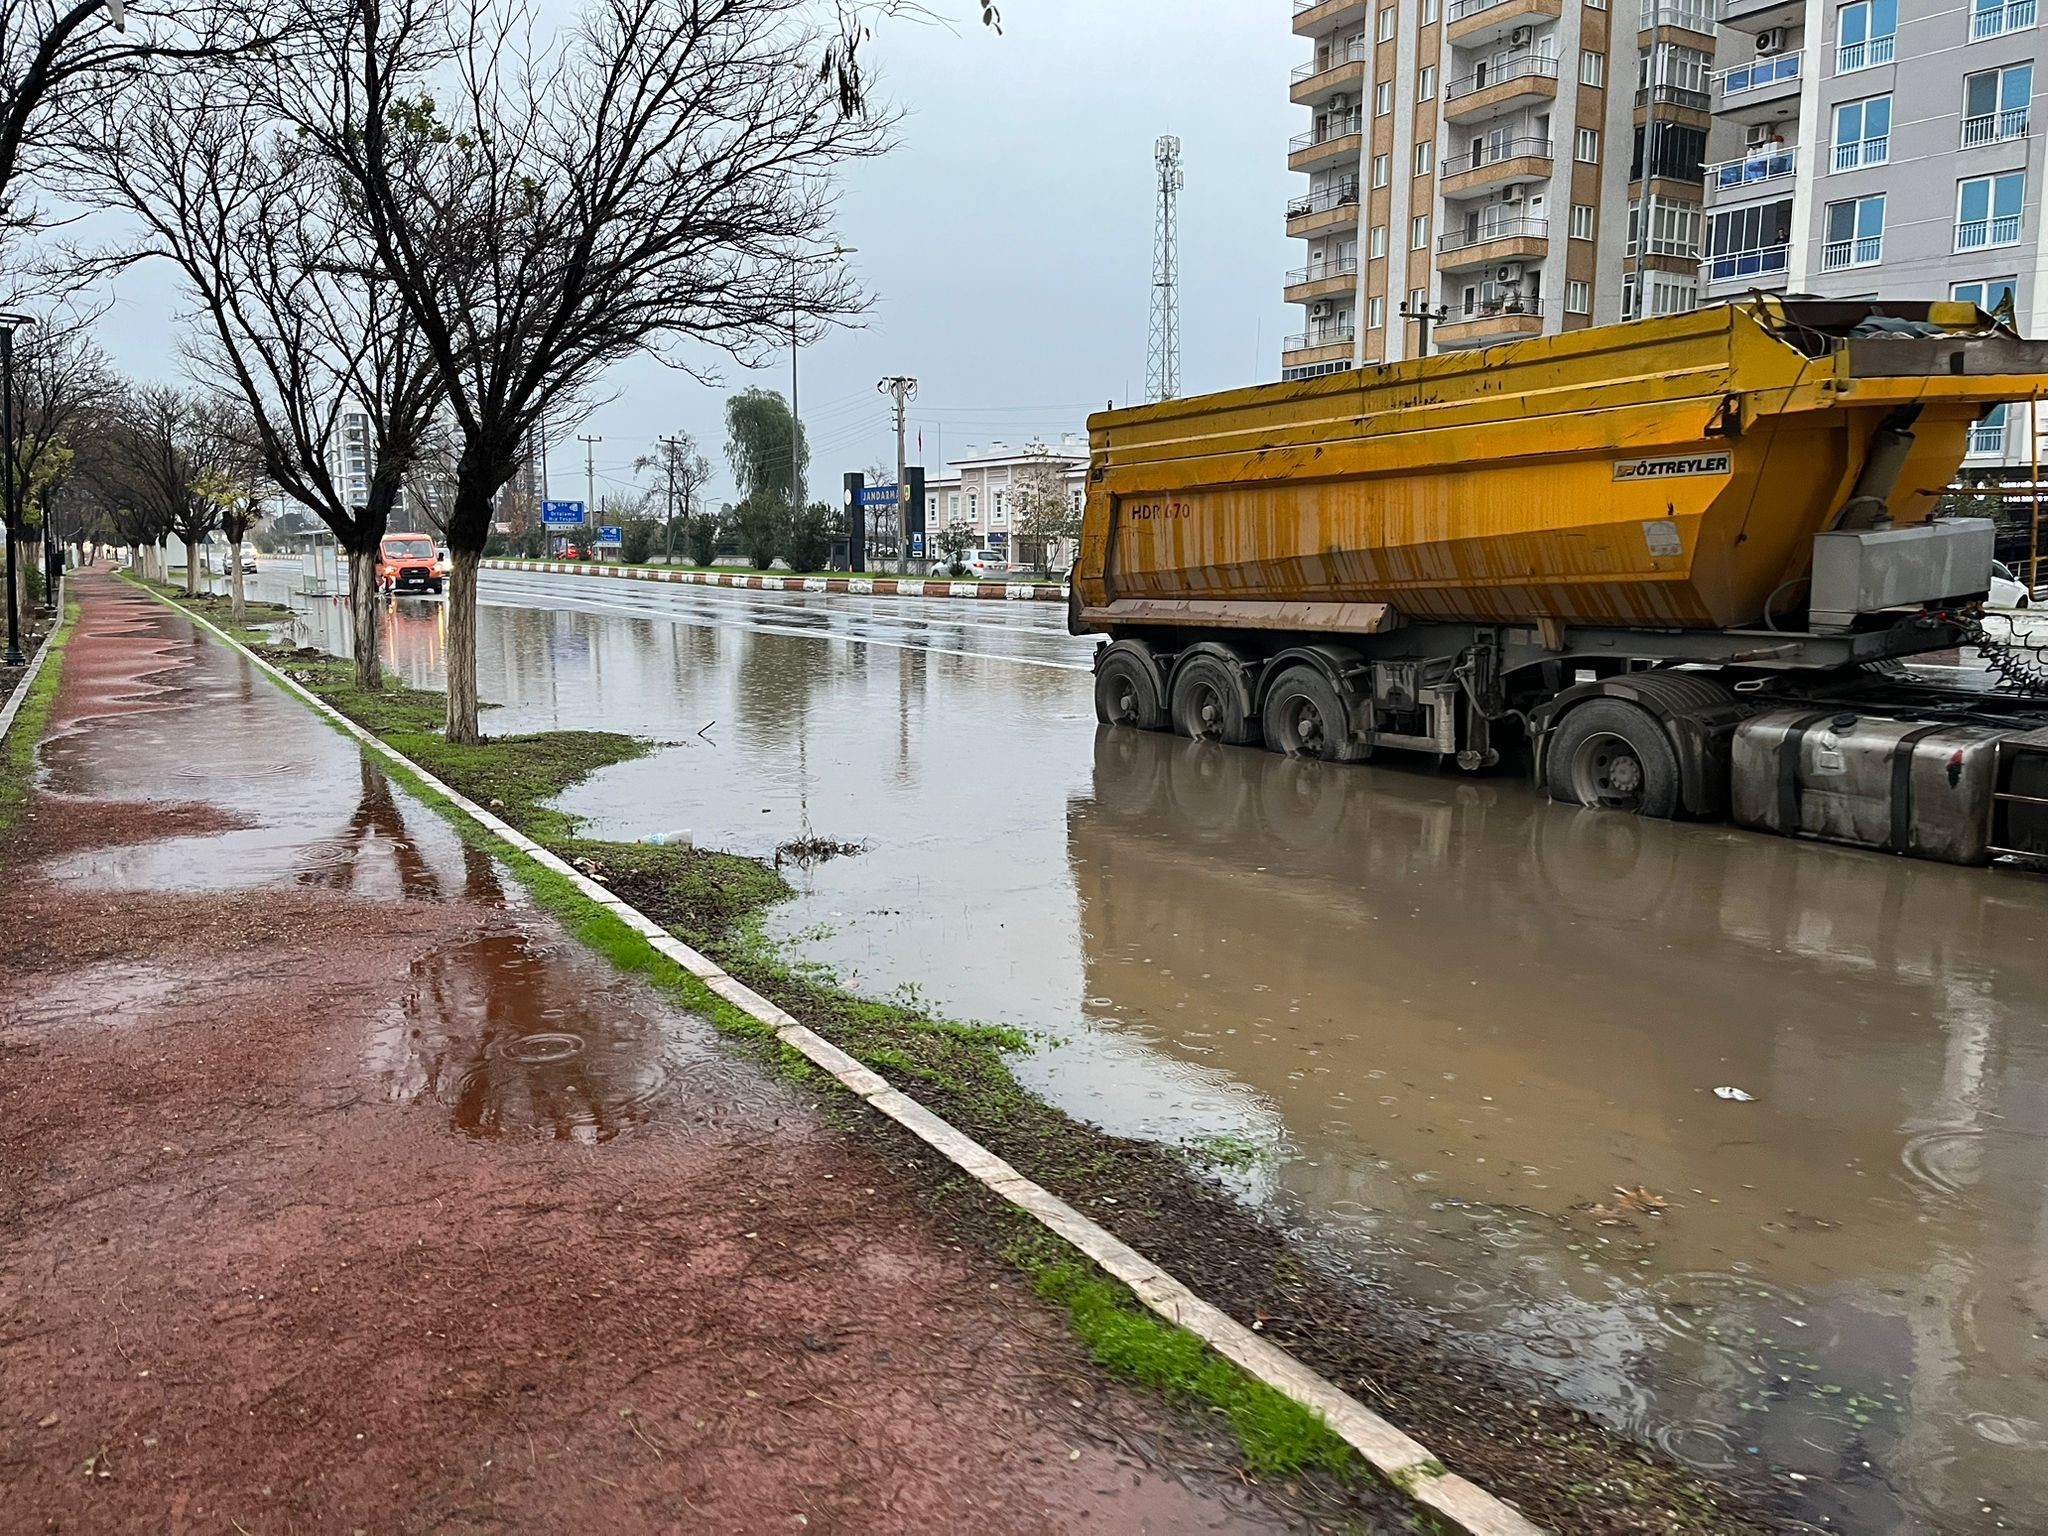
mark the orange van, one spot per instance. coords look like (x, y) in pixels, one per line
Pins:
(406, 562)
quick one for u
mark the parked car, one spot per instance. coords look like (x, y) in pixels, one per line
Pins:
(975, 562)
(2007, 590)
(248, 565)
(444, 562)
(406, 563)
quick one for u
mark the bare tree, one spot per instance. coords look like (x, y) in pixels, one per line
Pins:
(165, 451)
(292, 319)
(1044, 510)
(651, 177)
(60, 378)
(685, 471)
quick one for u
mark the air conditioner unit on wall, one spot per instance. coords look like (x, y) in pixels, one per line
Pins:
(1320, 310)
(1510, 272)
(1759, 136)
(1523, 37)
(1339, 102)
(1770, 40)
(1513, 195)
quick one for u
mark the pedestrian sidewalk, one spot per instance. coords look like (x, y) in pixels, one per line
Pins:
(342, 1191)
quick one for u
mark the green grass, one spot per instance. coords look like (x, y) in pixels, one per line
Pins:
(18, 752)
(915, 574)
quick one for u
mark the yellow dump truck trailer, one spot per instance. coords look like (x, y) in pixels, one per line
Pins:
(1612, 549)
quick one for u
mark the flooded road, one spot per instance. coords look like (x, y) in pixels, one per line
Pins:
(1468, 1041)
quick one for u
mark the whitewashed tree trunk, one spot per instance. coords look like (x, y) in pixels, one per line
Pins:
(235, 608)
(362, 608)
(462, 706)
(191, 567)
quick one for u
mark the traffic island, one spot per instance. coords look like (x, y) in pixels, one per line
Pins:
(1550, 1461)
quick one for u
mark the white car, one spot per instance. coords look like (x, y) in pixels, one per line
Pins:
(2007, 591)
(977, 563)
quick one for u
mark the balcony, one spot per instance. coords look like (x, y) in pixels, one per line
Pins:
(1312, 18)
(1331, 344)
(1334, 69)
(1987, 439)
(1855, 154)
(1761, 170)
(1492, 89)
(1474, 23)
(1499, 241)
(1696, 19)
(1983, 234)
(1995, 127)
(1342, 137)
(1497, 164)
(1864, 251)
(1331, 208)
(1492, 321)
(1765, 267)
(1995, 20)
(1321, 282)
(1850, 57)
(1758, 15)
(1761, 91)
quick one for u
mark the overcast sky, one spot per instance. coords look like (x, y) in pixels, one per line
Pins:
(1006, 241)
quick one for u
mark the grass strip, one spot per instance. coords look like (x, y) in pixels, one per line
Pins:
(25, 733)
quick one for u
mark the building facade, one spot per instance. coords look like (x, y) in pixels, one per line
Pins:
(1886, 151)
(1510, 167)
(979, 493)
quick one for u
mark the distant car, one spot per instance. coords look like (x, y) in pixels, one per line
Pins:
(570, 552)
(444, 562)
(2007, 590)
(975, 562)
(248, 565)
(405, 563)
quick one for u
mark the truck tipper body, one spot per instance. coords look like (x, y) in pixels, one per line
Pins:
(1608, 553)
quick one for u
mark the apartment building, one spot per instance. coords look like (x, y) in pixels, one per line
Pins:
(1507, 167)
(1887, 151)
(351, 458)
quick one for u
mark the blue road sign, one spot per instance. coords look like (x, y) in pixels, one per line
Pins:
(879, 495)
(562, 514)
(611, 536)
(916, 544)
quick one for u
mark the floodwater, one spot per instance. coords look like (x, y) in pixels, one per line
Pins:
(1476, 1037)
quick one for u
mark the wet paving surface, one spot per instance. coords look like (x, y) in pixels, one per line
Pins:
(1468, 1040)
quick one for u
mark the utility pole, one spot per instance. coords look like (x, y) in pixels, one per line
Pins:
(902, 391)
(589, 474)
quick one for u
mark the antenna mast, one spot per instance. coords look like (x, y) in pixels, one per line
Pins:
(1162, 351)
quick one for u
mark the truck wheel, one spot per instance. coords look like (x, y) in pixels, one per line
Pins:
(1304, 717)
(1210, 702)
(1127, 693)
(1611, 754)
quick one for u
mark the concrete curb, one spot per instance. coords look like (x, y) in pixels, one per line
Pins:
(1402, 1461)
(857, 586)
(35, 669)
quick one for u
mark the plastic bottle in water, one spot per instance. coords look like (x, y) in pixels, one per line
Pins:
(681, 839)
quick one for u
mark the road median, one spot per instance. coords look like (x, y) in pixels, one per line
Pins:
(769, 581)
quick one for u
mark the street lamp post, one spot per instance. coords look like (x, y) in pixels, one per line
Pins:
(12, 486)
(796, 430)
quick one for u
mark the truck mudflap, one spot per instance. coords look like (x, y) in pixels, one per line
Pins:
(1699, 713)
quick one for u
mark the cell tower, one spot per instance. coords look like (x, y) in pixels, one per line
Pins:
(1162, 352)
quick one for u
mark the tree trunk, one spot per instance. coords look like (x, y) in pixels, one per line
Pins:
(462, 710)
(191, 567)
(362, 610)
(235, 608)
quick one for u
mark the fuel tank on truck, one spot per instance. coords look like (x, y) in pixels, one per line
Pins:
(1664, 473)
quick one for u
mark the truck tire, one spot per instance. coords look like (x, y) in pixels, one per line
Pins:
(1211, 703)
(1306, 717)
(1127, 691)
(1610, 754)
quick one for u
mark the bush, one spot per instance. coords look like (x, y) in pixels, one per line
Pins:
(639, 540)
(809, 544)
(762, 524)
(700, 538)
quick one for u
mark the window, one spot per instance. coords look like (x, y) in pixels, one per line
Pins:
(1596, 5)
(953, 505)
(1987, 432)
(1425, 83)
(1672, 295)
(1375, 313)
(1379, 242)
(1994, 18)
(1582, 221)
(1855, 234)
(1995, 104)
(1383, 98)
(1425, 157)
(1418, 232)
(1586, 147)
(1429, 11)
(1866, 33)
(1863, 133)
(1745, 243)
(1674, 73)
(973, 505)
(1989, 294)
(1674, 228)
(1670, 150)
(996, 507)
(1578, 297)
(1387, 19)
(1988, 210)
(1381, 166)
(1418, 300)
(1592, 67)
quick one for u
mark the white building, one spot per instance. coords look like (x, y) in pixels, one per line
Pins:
(980, 495)
(351, 457)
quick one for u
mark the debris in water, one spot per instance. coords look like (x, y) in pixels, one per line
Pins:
(1736, 1094)
(677, 839)
(811, 849)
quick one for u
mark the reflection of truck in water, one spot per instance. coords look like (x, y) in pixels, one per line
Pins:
(1674, 564)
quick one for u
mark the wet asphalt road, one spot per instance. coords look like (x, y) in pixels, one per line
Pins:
(1475, 1036)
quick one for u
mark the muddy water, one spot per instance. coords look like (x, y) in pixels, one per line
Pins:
(1474, 1039)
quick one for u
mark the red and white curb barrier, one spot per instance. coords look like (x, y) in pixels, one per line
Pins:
(1402, 1461)
(856, 586)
